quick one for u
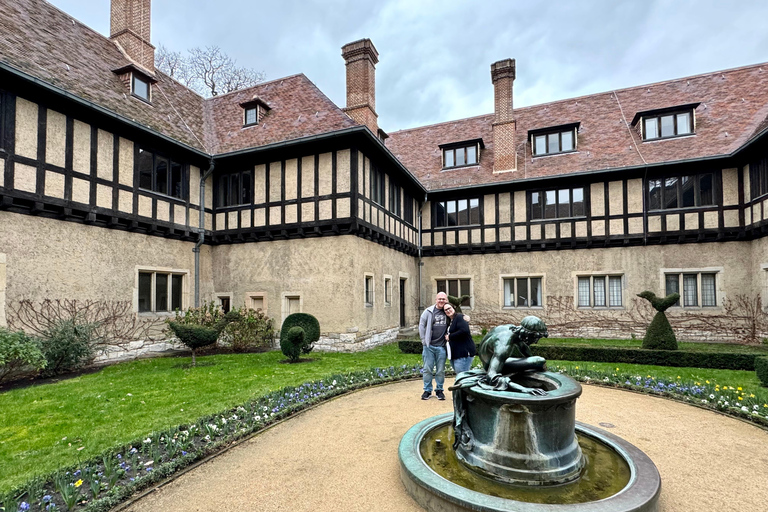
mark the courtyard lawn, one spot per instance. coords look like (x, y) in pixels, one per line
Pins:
(48, 426)
(638, 343)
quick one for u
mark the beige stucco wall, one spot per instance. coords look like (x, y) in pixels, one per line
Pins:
(737, 264)
(327, 273)
(3, 321)
(52, 259)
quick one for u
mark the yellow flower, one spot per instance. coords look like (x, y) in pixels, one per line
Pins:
(739, 388)
(698, 383)
(678, 376)
(751, 395)
(78, 483)
(577, 367)
(706, 381)
(740, 398)
(617, 369)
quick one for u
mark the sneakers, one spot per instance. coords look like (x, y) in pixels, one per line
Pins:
(440, 394)
(425, 395)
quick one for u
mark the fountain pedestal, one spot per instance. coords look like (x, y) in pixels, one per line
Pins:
(522, 439)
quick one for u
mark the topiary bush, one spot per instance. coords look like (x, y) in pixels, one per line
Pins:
(761, 368)
(196, 336)
(456, 301)
(307, 322)
(67, 346)
(292, 342)
(659, 335)
(20, 356)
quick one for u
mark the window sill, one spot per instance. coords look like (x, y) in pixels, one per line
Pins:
(160, 194)
(458, 227)
(156, 314)
(368, 305)
(251, 124)
(145, 100)
(657, 139)
(459, 167)
(601, 308)
(513, 308)
(682, 209)
(560, 219)
(559, 153)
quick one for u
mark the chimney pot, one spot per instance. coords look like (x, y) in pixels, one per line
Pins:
(361, 58)
(503, 78)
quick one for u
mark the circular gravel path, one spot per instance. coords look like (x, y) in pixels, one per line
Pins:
(342, 456)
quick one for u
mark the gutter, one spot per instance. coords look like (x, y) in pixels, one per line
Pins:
(201, 230)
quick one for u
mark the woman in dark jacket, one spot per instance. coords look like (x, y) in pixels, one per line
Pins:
(461, 344)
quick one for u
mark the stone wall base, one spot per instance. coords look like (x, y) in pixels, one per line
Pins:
(136, 349)
(355, 341)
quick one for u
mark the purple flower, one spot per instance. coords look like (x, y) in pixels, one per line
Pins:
(24, 506)
(47, 498)
(183, 452)
(149, 469)
(77, 473)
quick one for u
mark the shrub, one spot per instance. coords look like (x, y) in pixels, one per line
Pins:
(19, 356)
(761, 367)
(311, 330)
(660, 335)
(67, 346)
(194, 336)
(249, 329)
(292, 342)
(207, 315)
(456, 301)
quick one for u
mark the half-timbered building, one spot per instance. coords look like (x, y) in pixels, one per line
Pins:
(119, 183)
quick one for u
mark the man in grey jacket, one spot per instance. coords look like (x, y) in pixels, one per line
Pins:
(432, 328)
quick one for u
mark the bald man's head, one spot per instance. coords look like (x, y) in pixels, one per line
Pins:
(441, 300)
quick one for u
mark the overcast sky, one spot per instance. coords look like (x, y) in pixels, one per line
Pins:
(435, 56)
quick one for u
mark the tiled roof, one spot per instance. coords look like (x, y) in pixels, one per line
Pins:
(42, 41)
(46, 43)
(733, 108)
(297, 109)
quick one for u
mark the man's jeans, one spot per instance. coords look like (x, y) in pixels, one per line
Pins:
(434, 357)
(462, 364)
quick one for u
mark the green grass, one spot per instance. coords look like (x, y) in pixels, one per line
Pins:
(42, 427)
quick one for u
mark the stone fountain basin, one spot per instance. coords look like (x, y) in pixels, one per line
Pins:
(435, 493)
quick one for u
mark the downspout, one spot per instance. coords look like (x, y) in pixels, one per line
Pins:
(421, 263)
(201, 230)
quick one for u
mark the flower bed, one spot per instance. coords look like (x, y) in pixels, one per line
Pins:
(102, 482)
(725, 399)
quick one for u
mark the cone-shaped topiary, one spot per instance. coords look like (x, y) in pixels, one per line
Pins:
(456, 301)
(659, 335)
(761, 367)
(292, 342)
(311, 331)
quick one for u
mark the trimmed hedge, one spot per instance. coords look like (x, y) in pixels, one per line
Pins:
(308, 323)
(679, 358)
(761, 367)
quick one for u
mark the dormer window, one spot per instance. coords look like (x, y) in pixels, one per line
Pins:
(254, 111)
(553, 140)
(667, 123)
(461, 154)
(139, 87)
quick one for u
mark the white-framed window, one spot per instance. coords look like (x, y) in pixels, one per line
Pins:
(523, 291)
(600, 291)
(557, 204)
(292, 303)
(224, 301)
(160, 290)
(459, 157)
(697, 288)
(257, 301)
(387, 290)
(456, 287)
(140, 87)
(368, 290)
(668, 124)
(251, 115)
(554, 141)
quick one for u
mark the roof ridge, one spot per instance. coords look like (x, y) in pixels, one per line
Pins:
(260, 84)
(440, 123)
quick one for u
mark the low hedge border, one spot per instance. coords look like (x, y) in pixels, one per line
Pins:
(678, 358)
(761, 367)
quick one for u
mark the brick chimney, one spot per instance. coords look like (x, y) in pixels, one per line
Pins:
(504, 154)
(129, 27)
(361, 58)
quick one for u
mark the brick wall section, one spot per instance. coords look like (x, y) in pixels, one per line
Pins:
(130, 27)
(503, 77)
(361, 58)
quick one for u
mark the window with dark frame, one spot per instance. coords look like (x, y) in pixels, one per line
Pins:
(667, 124)
(377, 185)
(455, 288)
(369, 290)
(697, 288)
(160, 174)
(394, 198)
(668, 192)
(251, 115)
(600, 291)
(553, 142)
(758, 178)
(456, 212)
(407, 208)
(387, 290)
(523, 292)
(557, 204)
(234, 189)
(460, 156)
(140, 87)
(160, 291)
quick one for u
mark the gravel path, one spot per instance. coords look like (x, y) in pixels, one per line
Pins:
(342, 456)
